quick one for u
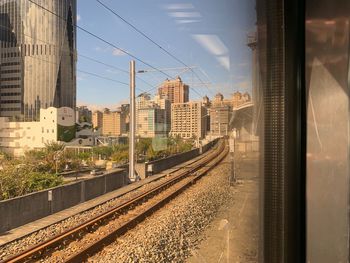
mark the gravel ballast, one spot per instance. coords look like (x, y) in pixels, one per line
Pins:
(170, 234)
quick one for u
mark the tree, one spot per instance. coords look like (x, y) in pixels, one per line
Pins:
(4, 156)
(19, 179)
(54, 147)
(143, 145)
(104, 151)
(54, 153)
(120, 157)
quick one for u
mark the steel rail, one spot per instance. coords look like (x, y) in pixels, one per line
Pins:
(95, 247)
(42, 248)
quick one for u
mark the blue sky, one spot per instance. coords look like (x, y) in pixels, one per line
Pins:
(209, 35)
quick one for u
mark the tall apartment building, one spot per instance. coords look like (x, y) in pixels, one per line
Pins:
(219, 120)
(188, 120)
(151, 123)
(219, 100)
(97, 120)
(238, 99)
(174, 90)
(164, 104)
(152, 116)
(40, 71)
(144, 101)
(112, 123)
(125, 115)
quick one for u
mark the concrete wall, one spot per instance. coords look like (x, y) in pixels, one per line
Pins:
(209, 145)
(36, 205)
(18, 211)
(160, 165)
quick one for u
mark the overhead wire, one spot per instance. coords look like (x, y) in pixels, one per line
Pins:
(103, 40)
(106, 78)
(86, 72)
(154, 42)
(86, 57)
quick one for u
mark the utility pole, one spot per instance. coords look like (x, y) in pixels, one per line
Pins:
(132, 175)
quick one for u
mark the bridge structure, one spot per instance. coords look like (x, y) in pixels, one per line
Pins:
(242, 120)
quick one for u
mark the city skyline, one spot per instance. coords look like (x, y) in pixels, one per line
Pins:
(198, 41)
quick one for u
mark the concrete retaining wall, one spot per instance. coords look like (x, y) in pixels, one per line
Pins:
(209, 145)
(160, 165)
(22, 210)
(18, 211)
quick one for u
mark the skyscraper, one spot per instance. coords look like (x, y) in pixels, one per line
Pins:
(37, 56)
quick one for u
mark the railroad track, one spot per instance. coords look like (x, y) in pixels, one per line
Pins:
(84, 240)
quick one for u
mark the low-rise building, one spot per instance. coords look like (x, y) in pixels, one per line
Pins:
(55, 125)
(188, 120)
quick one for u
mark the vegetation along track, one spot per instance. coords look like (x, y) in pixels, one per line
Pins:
(79, 242)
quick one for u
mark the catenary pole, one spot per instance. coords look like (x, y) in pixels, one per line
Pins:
(132, 175)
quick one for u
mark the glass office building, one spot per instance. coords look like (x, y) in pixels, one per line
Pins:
(38, 57)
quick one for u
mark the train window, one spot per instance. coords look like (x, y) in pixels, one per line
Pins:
(193, 59)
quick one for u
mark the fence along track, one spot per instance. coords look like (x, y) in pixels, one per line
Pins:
(197, 169)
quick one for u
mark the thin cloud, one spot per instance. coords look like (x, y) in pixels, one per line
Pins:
(118, 52)
(179, 6)
(185, 14)
(187, 21)
(101, 49)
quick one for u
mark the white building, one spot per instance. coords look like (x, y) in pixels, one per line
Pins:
(55, 125)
